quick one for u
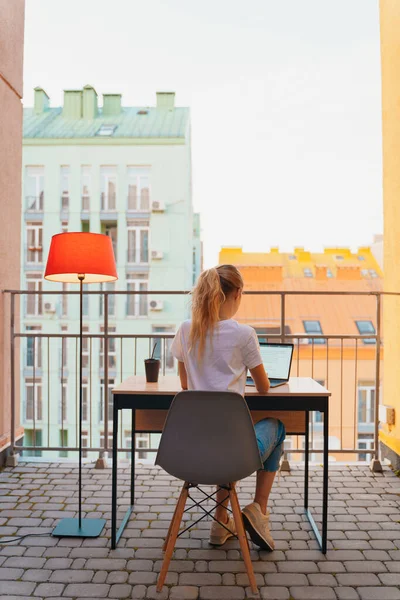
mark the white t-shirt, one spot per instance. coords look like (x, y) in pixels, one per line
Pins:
(233, 350)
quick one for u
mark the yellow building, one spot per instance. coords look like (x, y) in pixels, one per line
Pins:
(346, 366)
(390, 59)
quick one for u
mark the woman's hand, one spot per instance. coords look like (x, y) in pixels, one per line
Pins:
(260, 378)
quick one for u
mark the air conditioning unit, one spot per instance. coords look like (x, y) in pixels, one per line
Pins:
(157, 254)
(302, 341)
(157, 206)
(156, 304)
(49, 307)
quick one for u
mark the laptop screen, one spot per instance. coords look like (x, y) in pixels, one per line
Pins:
(277, 359)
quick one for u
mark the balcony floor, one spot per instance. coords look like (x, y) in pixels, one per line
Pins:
(363, 560)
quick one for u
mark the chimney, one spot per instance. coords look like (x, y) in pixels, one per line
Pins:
(111, 104)
(348, 272)
(72, 108)
(321, 272)
(89, 102)
(42, 101)
(166, 100)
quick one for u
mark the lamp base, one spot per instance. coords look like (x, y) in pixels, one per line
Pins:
(70, 528)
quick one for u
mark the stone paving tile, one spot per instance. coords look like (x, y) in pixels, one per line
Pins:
(362, 562)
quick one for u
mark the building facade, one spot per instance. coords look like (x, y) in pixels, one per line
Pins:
(11, 88)
(390, 64)
(125, 172)
(345, 366)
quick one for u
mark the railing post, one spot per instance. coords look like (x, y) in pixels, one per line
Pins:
(285, 465)
(101, 462)
(375, 464)
(12, 458)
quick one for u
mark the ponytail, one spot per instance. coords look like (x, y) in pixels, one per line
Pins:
(209, 294)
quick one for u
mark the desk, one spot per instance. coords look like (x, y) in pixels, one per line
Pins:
(149, 403)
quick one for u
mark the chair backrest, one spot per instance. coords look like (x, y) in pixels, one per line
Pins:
(209, 438)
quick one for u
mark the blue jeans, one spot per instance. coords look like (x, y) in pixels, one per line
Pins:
(270, 434)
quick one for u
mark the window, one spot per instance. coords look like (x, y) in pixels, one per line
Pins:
(360, 257)
(34, 188)
(85, 187)
(34, 243)
(34, 348)
(365, 442)
(33, 437)
(292, 257)
(85, 443)
(142, 441)
(339, 257)
(111, 383)
(364, 272)
(163, 348)
(308, 273)
(365, 327)
(263, 333)
(112, 349)
(111, 230)
(64, 179)
(64, 346)
(136, 304)
(64, 402)
(373, 273)
(314, 327)
(85, 348)
(138, 242)
(33, 400)
(85, 405)
(108, 182)
(63, 443)
(329, 273)
(34, 301)
(366, 403)
(139, 188)
(106, 130)
(109, 286)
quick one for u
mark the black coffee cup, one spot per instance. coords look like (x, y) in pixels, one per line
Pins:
(152, 366)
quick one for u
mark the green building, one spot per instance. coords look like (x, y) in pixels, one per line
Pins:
(125, 172)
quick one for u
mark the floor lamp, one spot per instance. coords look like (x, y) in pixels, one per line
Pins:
(80, 258)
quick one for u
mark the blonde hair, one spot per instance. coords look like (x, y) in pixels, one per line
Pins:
(210, 292)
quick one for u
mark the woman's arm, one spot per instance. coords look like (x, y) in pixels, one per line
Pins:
(183, 375)
(260, 377)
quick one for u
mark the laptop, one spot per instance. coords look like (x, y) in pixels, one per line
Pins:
(277, 360)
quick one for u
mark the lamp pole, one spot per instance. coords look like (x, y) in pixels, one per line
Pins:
(81, 277)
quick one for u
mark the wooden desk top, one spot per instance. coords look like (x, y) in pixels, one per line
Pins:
(171, 385)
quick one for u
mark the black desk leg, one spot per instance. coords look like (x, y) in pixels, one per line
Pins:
(320, 539)
(114, 476)
(306, 458)
(133, 454)
(325, 481)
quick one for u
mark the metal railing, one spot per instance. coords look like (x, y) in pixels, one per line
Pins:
(105, 365)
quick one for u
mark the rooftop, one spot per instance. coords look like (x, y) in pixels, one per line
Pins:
(81, 117)
(362, 562)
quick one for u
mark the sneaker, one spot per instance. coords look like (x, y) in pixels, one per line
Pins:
(218, 533)
(257, 524)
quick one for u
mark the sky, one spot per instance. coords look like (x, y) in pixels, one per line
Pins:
(285, 100)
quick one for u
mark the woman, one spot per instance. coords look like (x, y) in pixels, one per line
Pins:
(214, 353)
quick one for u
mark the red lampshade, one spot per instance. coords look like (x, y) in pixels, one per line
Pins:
(81, 253)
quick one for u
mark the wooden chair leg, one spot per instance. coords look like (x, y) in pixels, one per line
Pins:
(170, 525)
(172, 535)
(244, 545)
